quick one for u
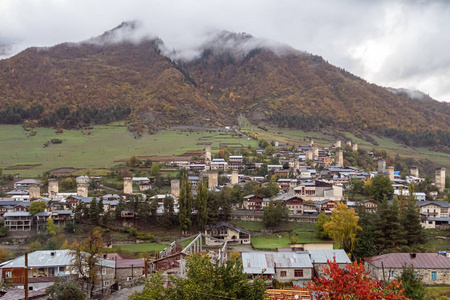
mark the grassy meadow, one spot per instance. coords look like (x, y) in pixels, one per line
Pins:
(103, 146)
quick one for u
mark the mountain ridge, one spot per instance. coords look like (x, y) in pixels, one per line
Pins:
(125, 74)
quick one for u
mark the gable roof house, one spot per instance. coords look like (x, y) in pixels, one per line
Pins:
(223, 231)
(45, 267)
(431, 268)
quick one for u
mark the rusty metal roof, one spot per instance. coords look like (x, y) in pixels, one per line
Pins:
(418, 260)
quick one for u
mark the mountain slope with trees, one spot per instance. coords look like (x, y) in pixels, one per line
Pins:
(106, 79)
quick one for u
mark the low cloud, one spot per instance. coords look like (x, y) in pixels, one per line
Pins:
(392, 43)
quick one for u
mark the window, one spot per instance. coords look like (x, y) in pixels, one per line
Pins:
(283, 274)
(433, 276)
(298, 273)
(106, 283)
(391, 274)
(129, 278)
(62, 269)
(103, 271)
(8, 274)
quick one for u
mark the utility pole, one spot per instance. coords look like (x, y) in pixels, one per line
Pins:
(26, 276)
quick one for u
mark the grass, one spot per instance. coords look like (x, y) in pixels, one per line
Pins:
(441, 290)
(305, 232)
(97, 150)
(142, 247)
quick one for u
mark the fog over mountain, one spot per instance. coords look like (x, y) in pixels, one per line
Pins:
(401, 44)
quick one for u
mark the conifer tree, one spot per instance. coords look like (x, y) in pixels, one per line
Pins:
(202, 205)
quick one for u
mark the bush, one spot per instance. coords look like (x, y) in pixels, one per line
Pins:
(146, 236)
(4, 231)
(56, 141)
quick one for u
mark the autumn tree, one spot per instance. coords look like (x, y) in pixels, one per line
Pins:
(36, 207)
(4, 255)
(321, 220)
(353, 282)
(343, 227)
(51, 226)
(86, 259)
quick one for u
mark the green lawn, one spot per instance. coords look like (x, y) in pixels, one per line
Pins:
(142, 247)
(305, 232)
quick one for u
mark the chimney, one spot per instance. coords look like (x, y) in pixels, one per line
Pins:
(412, 255)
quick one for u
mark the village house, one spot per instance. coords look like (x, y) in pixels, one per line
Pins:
(287, 184)
(252, 202)
(320, 257)
(127, 269)
(218, 164)
(431, 268)
(18, 221)
(45, 267)
(226, 232)
(436, 213)
(326, 206)
(282, 266)
(295, 205)
(319, 190)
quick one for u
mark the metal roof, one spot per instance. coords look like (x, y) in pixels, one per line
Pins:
(259, 262)
(46, 259)
(17, 214)
(420, 261)
(322, 256)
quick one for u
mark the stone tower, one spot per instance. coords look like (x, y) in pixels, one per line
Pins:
(338, 144)
(207, 154)
(355, 147)
(315, 150)
(440, 179)
(390, 173)
(82, 186)
(311, 142)
(53, 188)
(414, 171)
(339, 158)
(309, 155)
(34, 191)
(175, 187)
(128, 185)
(213, 179)
(234, 177)
(276, 143)
(296, 164)
(381, 166)
(349, 143)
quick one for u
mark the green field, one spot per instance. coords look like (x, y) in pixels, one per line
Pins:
(105, 145)
(142, 247)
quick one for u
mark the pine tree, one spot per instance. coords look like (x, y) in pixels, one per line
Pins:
(365, 245)
(185, 204)
(411, 224)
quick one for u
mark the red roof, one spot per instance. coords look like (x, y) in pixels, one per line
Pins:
(420, 261)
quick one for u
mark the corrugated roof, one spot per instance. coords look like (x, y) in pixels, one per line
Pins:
(127, 263)
(17, 214)
(321, 256)
(420, 261)
(46, 259)
(257, 262)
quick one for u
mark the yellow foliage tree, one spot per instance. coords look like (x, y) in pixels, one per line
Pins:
(343, 227)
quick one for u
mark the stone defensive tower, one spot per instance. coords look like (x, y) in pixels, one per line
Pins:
(311, 142)
(339, 158)
(349, 143)
(213, 179)
(234, 177)
(128, 185)
(175, 187)
(34, 191)
(315, 152)
(390, 173)
(338, 144)
(414, 171)
(82, 186)
(53, 188)
(381, 166)
(440, 179)
(207, 154)
(296, 164)
(355, 147)
(309, 155)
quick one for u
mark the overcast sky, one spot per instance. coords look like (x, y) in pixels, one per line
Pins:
(391, 43)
